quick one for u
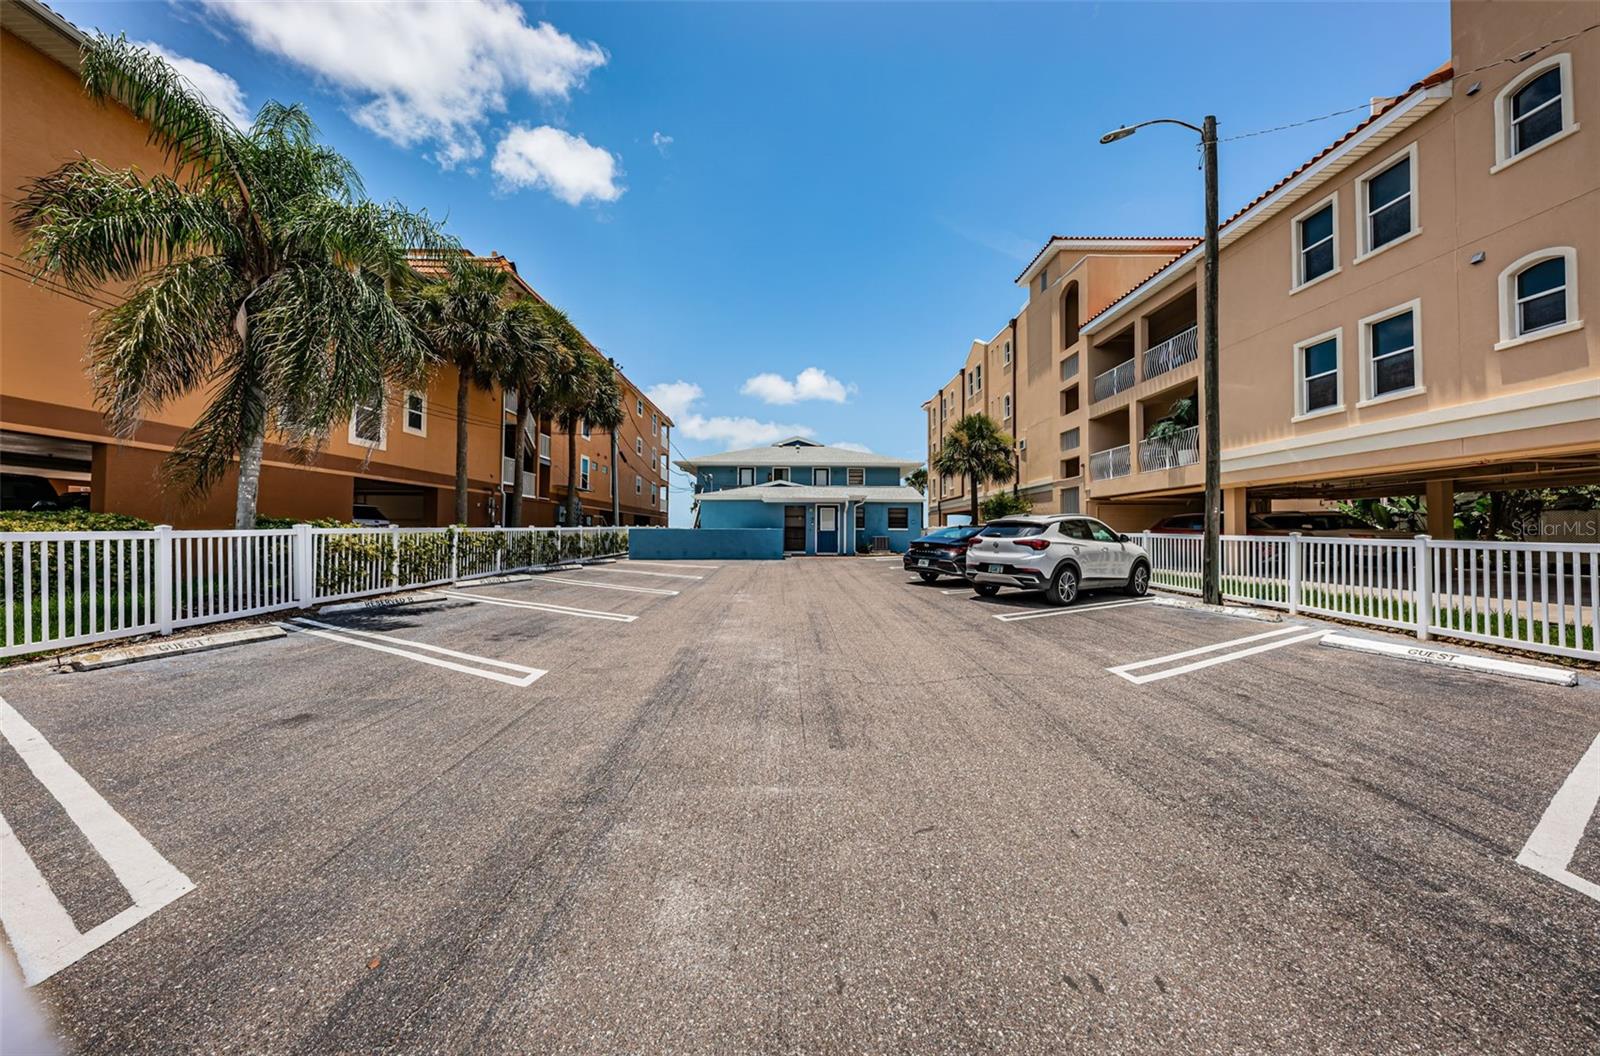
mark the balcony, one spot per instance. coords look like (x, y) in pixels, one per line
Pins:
(1182, 450)
(1113, 381)
(1172, 353)
(1117, 462)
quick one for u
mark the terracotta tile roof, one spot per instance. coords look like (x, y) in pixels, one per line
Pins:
(1439, 76)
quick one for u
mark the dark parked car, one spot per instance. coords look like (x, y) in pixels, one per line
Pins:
(941, 552)
(24, 491)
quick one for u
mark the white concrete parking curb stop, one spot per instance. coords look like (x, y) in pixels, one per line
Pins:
(1241, 612)
(1554, 676)
(172, 647)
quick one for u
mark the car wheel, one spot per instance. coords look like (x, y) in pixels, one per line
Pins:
(1138, 580)
(1063, 588)
(929, 577)
(986, 590)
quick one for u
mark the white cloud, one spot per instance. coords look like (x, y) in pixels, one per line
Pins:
(661, 142)
(678, 398)
(567, 166)
(423, 72)
(813, 383)
(218, 89)
(848, 446)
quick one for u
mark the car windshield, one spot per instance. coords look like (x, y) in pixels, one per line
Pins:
(1010, 529)
(952, 535)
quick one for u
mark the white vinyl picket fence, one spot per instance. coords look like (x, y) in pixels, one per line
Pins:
(73, 588)
(1543, 597)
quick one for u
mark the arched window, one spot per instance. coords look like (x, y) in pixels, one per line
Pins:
(1069, 316)
(1534, 110)
(1539, 296)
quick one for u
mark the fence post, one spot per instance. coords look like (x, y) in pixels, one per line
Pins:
(1422, 576)
(1295, 558)
(394, 556)
(163, 574)
(305, 567)
(455, 537)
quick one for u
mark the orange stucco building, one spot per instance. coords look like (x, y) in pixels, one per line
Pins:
(402, 461)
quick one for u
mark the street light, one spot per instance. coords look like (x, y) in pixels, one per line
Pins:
(1211, 559)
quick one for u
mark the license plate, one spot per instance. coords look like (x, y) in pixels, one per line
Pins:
(922, 564)
(994, 568)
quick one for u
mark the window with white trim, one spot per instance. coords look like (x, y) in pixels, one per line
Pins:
(780, 472)
(819, 476)
(1539, 296)
(415, 419)
(638, 407)
(638, 445)
(583, 427)
(583, 473)
(747, 476)
(1388, 197)
(1317, 383)
(899, 518)
(1533, 110)
(1006, 356)
(977, 377)
(855, 476)
(1005, 405)
(366, 425)
(1391, 352)
(1316, 238)
(638, 484)
(653, 494)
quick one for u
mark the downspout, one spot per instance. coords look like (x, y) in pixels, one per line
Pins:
(616, 495)
(1016, 412)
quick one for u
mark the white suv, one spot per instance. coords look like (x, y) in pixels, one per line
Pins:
(1056, 555)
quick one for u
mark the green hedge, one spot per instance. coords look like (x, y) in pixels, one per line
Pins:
(70, 521)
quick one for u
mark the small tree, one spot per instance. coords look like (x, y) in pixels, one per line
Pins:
(1005, 504)
(919, 479)
(977, 449)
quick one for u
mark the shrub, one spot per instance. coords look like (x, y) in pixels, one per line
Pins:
(1004, 504)
(70, 521)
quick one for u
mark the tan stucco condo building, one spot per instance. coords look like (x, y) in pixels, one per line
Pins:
(1405, 313)
(399, 458)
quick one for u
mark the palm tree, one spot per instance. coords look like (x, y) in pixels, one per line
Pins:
(462, 314)
(587, 394)
(541, 346)
(976, 449)
(919, 479)
(261, 276)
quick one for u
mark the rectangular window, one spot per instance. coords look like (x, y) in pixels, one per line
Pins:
(652, 494)
(663, 473)
(1070, 467)
(899, 518)
(855, 476)
(1069, 367)
(780, 473)
(1006, 358)
(747, 476)
(366, 425)
(977, 376)
(638, 407)
(1536, 111)
(638, 445)
(1317, 374)
(655, 425)
(819, 476)
(1388, 199)
(1391, 352)
(1542, 296)
(861, 516)
(638, 484)
(583, 428)
(583, 473)
(416, 415)
(1005, 404)
(1316, 245)
(1069, 400)
(1069, 500)
(1044, 278)
(1069, 440)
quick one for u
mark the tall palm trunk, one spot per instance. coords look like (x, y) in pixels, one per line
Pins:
(572, 472)
(244, 507)
(616, 478)
(520, 477)
(464, 385)
(974, 498)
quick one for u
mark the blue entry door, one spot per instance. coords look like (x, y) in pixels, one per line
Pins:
(827, 529)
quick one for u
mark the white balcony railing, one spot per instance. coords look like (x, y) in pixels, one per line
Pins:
(1114, 380)
(1172, 353)
(1117, 462)
(1182, 450)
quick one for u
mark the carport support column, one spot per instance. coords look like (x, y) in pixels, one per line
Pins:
(1235, 511)
(1441, 502)
(163, 574)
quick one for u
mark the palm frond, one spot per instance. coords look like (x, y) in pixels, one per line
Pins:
(237, 412)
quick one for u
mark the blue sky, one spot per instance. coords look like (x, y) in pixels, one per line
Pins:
(795, 217)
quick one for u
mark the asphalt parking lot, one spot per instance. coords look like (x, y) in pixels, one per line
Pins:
(803, 807)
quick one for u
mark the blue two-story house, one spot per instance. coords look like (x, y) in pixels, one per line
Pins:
(827, 500)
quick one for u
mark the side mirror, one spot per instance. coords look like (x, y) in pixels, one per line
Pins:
(1124, 538)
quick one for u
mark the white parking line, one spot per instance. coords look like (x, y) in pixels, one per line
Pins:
(1550, 849)
(541, 606)
(673, 564)
(607, 586)
(1076, 610)
(524, 676)
(958, 590)
(41, 932)
(1124, 670)
(639, 572)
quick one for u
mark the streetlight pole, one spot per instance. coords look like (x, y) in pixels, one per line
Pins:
(1211, 553)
